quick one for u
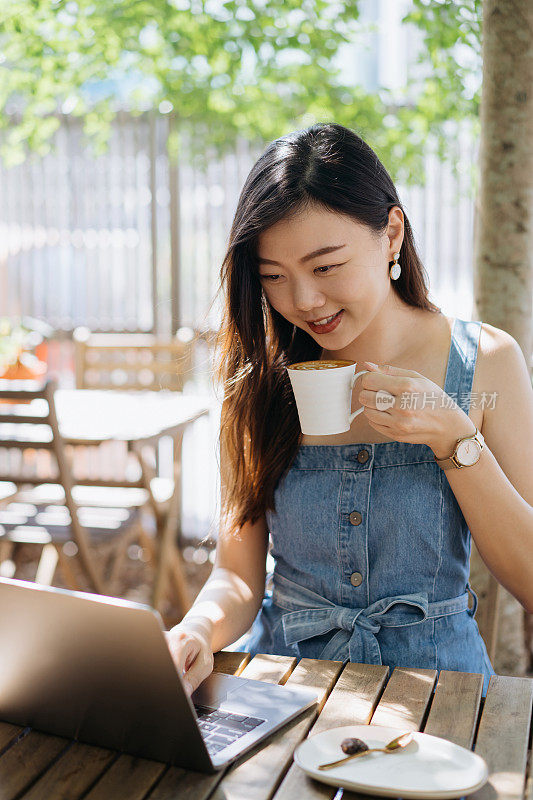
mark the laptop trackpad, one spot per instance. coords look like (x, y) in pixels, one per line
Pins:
(215, 689)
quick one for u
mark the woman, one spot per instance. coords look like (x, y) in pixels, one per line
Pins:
(371, 535)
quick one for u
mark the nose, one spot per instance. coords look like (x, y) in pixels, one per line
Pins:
(306, 297)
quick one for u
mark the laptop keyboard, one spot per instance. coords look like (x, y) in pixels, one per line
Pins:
(220, 728)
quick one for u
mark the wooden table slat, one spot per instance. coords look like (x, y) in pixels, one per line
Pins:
(26, 759)
(351, 702)
(71, 775)
(455, 708)
(8, 733)
(230, 663)
(272, 669)
(503, 737)
(128, 777)
(405, 699)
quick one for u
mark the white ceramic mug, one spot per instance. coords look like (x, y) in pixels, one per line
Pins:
(323, 394)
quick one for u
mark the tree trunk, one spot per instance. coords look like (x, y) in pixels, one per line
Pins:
(503, 235)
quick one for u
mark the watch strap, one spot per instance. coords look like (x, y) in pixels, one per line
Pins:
(448, 462)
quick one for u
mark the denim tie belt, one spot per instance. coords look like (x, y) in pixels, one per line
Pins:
(308, 615)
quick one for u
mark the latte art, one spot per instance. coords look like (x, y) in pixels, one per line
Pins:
(321, 364)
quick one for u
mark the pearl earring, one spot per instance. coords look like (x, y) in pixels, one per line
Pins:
(395, 271)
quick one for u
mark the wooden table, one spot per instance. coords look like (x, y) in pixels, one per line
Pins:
(36, 766)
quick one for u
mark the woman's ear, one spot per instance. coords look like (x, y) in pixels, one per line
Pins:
(395, 229)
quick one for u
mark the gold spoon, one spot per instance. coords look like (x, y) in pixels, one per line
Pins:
(391, 747)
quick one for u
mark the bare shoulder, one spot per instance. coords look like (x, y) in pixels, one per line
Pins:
(494, 340)
(499, 359)
(502, 384)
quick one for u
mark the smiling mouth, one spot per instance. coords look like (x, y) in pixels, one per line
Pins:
(325, 321)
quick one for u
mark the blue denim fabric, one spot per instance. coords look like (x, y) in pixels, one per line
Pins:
(411, 547)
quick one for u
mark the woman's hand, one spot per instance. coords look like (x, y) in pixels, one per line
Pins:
(404, 405)
(192, 655)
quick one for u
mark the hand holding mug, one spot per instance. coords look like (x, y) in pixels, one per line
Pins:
(407, 407)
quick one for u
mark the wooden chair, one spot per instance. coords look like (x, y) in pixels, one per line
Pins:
(126, 361)
(489, 592)
(69, 522)
(132, 361)
(488, 615)
(490, 625)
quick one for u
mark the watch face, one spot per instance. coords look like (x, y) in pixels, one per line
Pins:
(468, 452)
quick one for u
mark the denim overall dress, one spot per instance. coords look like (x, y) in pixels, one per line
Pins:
(371, 553)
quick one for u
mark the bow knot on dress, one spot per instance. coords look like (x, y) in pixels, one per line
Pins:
(308, 615)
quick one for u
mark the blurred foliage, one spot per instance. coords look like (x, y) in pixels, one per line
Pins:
(452, 40)
(253, 68)
(13, 340)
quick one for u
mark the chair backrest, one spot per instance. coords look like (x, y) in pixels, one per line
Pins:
(28, 424)
(489, 616)
(132, 361)
(489, 595)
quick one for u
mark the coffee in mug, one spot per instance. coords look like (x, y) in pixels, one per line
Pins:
(320, 364)
(323, 394)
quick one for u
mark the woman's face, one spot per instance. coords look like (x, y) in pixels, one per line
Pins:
(351, 279)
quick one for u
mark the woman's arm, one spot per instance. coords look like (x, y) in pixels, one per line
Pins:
(496, 494)
(228, 602)
(225, 607)
(231, 597)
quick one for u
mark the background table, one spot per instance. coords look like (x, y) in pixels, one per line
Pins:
(140, 419)
(36, 766)
(93, 416)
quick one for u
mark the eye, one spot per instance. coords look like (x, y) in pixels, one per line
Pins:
(327, 269)
(321, 270)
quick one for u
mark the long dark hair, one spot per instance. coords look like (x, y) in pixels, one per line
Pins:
(326, 165)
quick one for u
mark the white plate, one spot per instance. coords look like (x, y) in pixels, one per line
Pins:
(429, 767)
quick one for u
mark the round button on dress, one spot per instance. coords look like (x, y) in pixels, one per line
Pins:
(356, 579)
(363, 456)
(356, 518)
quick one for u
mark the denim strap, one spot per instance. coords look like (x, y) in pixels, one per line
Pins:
(462, 361)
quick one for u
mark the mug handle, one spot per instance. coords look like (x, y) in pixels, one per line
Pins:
(359, 410)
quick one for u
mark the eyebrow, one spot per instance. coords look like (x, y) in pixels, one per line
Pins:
(321, 252)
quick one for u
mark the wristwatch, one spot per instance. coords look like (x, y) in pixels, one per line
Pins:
(467, 452)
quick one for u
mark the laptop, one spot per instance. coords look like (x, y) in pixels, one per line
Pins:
(98, 669)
